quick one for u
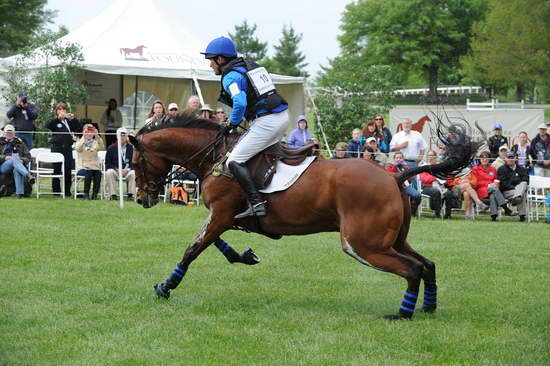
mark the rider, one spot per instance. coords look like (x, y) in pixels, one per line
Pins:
(249, 90)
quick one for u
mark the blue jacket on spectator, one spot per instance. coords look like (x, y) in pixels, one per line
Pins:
(111, 157)
(355, 148)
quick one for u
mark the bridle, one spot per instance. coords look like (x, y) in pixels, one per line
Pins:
(151, 187)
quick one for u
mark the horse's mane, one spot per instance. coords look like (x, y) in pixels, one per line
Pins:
(183, 120)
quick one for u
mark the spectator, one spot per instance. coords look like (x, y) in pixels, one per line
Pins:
(193, 105)
(431, 186)
(207, 112)
(513, 183)
(221, 116)
(87, 162)
(341, 149)
(452, 196)
(496, 141)
(399, 164)
(22, 114)
(157, 112)
(379, 120)
(371, 130)
(540, 152)
(487, 186)
(501, 159)
(410, 143)
(14, 155)
(111, 119)
(111, 166)
(354, 145)
(467, 186)
(371, 152)
(301, 135)
(521, 149)
(64, 127)
(172, 110)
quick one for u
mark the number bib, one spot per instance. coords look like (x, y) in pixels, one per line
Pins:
(261, 80)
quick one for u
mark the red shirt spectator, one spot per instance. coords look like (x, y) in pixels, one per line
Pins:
(485, 174)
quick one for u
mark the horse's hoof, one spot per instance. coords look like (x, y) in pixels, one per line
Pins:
(160, 291)
(397, 316)
(249, 257)
(427, 309)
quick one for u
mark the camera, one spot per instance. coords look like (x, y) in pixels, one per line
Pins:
(24, 100)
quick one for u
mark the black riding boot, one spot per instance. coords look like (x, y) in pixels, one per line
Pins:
(87, 184)
(256, 205)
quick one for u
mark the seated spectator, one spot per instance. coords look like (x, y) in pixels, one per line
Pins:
(111, 166)
(452, 196)
(431, 186)
(399, 165)
(501, 159)
(496, 141)
(301, 135)
(487, 186)
(371, 152)
(354, 145)
(87, 162)
(540, 152)
(207, 112)
(467, 186)
(513, 183)
(221, 116)
(371, 130)
(111, 119)
(521, 149)
(341, 151)
(157, 112)
(379, 120)
(172, 110)
(14, 155)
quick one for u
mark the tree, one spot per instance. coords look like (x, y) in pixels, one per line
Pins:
(20, 22)
(47, 70)
(288, 60)
(512, 45)
(248, 45)
(410, 34)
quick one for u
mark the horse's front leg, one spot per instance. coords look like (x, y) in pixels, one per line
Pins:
(211, 230)
(247, 256)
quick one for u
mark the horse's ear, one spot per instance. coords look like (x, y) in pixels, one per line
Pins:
(133, 141)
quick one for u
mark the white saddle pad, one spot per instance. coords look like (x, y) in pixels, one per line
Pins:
(287, 175)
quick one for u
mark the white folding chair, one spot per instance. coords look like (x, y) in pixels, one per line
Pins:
(101, 158)
(536, 197)
(32, 164)
(41, 172)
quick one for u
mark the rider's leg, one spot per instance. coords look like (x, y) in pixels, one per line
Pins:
(264, 132)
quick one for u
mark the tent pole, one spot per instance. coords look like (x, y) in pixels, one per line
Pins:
(121, 93)
(135, 102)
(318, 119)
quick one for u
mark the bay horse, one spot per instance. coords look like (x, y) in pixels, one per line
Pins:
(364, 203)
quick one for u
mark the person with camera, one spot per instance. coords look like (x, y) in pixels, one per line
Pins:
(87, 162)
(64, 127)
(22, 115)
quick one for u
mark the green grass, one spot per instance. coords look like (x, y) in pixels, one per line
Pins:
(77, 290)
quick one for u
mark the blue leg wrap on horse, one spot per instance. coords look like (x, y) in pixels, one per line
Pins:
(430, 293)
(175, 277)
(408, 304)
(222, 245)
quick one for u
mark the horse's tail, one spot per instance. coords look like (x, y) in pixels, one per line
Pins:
(460, 147)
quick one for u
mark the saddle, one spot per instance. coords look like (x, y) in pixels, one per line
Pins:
(262, 167)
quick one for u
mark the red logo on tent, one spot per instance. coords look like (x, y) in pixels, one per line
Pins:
(128, 52)
(418, 126)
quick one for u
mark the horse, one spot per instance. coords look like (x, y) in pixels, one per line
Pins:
(364, 203)
(417, 126)
(128, 51)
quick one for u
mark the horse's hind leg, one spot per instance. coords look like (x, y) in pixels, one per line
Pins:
(428, 275)
(389, 260)
(247, 256)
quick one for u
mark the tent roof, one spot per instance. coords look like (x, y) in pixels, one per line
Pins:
(132, 37)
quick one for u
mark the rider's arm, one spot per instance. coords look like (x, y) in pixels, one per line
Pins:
(235, 84)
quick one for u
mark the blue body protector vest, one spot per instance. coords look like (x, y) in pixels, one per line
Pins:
(254, 102)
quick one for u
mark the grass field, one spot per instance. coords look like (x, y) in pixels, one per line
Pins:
(77, 282)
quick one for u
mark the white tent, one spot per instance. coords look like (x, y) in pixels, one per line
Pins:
(133, 53)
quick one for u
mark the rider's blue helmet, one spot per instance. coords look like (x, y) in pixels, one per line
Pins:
(221, 46)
